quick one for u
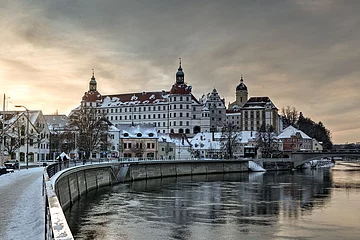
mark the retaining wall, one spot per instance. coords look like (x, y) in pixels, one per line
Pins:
(74, 183)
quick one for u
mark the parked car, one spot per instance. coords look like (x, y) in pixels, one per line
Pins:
(12, 164)
(3, 170)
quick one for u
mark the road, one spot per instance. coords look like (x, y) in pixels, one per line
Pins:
(22, 205)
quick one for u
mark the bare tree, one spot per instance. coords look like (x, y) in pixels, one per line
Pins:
(14, 138)
(230, 139)
(138, 148)
(290, 116)
(267, 140)
(92, 128)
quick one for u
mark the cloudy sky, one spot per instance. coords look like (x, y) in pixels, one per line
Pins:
(301, 53)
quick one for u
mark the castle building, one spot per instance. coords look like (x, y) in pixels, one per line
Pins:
(174, 111)
(252, 112)
(216, 108)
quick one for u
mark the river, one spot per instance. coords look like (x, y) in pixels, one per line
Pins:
(308, 204)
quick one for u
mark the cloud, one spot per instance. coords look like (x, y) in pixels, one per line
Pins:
(299, 53)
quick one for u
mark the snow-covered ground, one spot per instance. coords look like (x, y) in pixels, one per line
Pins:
(22, 205)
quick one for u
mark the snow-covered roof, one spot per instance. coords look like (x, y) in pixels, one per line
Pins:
(56, 122)
(258, 103)
(291, 131)
(137, 131)
(179, 139)
(206, 140)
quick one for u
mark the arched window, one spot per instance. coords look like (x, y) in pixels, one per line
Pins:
(181, 130)
(187, 131)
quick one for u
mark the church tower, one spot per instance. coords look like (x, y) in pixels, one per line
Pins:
(92, 83)
(180, 74)
(241, 93)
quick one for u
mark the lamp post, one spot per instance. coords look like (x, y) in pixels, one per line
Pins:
(2, 141)
(27, 135)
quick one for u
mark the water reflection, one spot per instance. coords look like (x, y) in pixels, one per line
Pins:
(219, 206)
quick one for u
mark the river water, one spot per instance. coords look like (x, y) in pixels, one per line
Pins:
(309, 204)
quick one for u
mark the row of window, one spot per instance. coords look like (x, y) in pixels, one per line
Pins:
(149, 116)
(139, 145)
(148, 108)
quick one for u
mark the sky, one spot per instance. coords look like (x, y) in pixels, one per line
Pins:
(300, 53)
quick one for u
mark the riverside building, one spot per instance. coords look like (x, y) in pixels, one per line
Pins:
(174, 111)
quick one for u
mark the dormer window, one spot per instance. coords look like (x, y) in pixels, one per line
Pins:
(126, 134)
(151, 134)
(139, 135)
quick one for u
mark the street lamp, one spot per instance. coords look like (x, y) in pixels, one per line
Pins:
(27, 135)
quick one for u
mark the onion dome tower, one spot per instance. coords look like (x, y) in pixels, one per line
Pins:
(92, 95)
(180, 87)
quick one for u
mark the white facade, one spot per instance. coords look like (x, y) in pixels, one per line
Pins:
(174, 111)
(30, 129)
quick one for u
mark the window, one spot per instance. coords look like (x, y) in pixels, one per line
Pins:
(174, 106)
(181, 98)
(164, 116)
(139, 116)
(194, 116)
(139, 135)
(180, 123)
(148, 145)
(187, 114)
(194, 109)
(181, 114)
(174, 115)
(174, 123)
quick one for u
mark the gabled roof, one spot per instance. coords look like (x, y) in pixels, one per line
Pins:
(56, 121)
(291, 131)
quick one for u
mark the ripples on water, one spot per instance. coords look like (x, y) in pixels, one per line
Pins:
(313, 204)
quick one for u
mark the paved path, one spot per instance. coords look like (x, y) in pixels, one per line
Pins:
(22, 205)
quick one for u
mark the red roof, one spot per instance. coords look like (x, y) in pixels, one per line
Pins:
(91, 96)
(180, 89)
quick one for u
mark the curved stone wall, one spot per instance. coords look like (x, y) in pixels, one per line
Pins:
(73, 183)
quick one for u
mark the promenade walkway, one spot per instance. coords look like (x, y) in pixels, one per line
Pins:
(22, 205)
